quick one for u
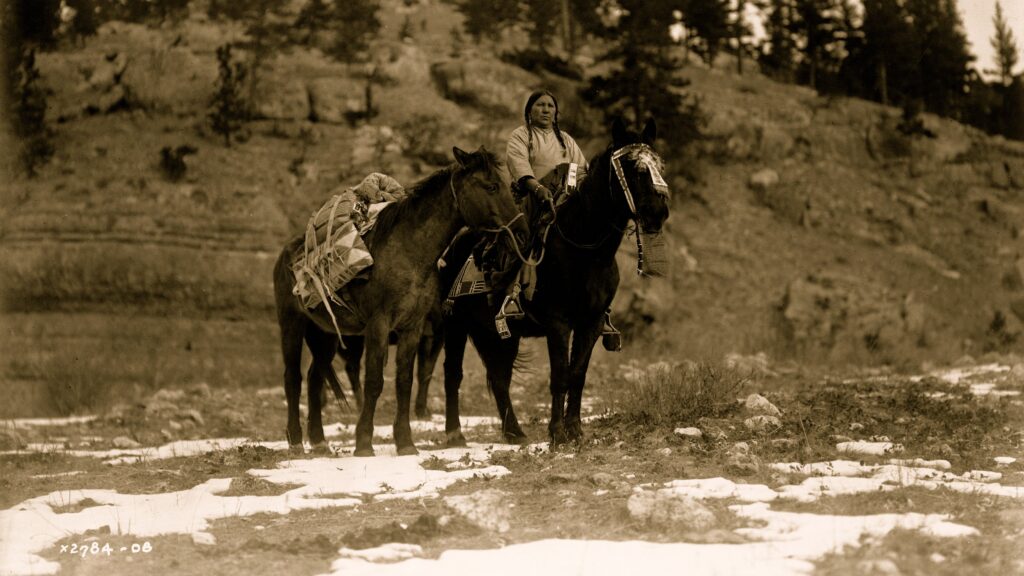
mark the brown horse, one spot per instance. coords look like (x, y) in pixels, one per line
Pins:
(406, 242)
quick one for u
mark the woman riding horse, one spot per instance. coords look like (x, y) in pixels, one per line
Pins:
(576, 282)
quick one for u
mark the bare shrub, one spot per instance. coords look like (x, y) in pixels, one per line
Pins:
(667, 395)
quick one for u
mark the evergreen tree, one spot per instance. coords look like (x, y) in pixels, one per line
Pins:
(86, 20)
(28, 110)
(709, 21)
(819, 24)
(1013, 109)
(487, 18)
(355, 22)
(542, 19)
(642, 82)
(887, 51)
(312, 19)
(228, 110)
(778, 57)
(1005, 46)
(943, 61)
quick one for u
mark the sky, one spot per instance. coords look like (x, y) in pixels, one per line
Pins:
(977, 16)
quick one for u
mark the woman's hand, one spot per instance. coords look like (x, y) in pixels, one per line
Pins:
(542, 193)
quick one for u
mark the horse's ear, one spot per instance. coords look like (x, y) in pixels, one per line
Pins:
(461, 156)
(618, 130)
(650, 133)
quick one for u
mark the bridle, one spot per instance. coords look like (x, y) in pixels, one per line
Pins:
(646, 158)
(506, 227)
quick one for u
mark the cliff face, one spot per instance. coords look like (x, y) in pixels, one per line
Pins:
(816, 229)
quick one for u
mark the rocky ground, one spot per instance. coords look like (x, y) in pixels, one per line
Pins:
(745, 468)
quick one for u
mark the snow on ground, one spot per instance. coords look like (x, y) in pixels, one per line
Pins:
(869, 448)
(37, 422)
(787, 544)
(184, 448)
(34, 525)
(848, 477)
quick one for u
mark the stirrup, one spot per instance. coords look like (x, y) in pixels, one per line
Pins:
(611, 338)
(510, 308)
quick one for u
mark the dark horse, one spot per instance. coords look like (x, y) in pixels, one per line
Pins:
(427, 351)
(576, 281)
(406, 242)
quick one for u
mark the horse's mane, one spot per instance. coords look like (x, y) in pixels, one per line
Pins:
(427, 189)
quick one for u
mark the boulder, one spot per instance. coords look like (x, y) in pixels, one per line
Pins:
(666, 508)
(488, 509)
(763, 179)
(331, 100)
(171, 80)
(281, 97)
(845, 314)
(757, 404)
(485, 84)
(762, 423)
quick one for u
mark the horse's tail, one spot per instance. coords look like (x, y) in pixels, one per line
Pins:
(524, 360)
(328, 373)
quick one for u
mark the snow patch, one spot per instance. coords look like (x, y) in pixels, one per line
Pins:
(869, 448)
(787, 544)
(33, 526)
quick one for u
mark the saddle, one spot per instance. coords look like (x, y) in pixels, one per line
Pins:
(487, 271)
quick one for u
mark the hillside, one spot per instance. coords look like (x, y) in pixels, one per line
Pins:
(805, 227)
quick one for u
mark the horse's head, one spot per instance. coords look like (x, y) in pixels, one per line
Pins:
(482, 193)
(635, 175)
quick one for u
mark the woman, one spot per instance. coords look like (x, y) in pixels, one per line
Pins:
(534, 150)
(537, 147)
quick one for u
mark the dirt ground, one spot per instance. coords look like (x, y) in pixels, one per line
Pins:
(927, 462)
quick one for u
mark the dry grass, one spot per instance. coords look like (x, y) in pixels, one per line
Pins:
(676, 395)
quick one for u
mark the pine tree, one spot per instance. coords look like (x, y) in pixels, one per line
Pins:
(709, 20)
(312, 19)
(818, 25)
(487, 18)
(778, 56)
(887, 50)
(86, 21)
(28, 110)
(228, 109)
(355, 22)
(943, 61)
(1005, 46)
(642, 82)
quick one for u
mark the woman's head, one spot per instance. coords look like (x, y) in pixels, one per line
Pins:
(541, 110)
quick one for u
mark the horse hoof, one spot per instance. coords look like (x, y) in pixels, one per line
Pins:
(408, 451)
(518, 439)
(296, 449)
(322, 449)
(422, 414)
(456, 439)
(363, 452)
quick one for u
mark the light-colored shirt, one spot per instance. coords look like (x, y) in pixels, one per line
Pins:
(547, 153)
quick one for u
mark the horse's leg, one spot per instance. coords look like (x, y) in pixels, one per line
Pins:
(558, 352)
(499, 356)
(293, 325)
(455, 337)
(405, 357)
(352, 354)
(376, 342)
(583, 340)
(426, 359)
(323, 346)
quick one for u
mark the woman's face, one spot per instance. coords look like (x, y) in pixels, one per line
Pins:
(542, 113)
